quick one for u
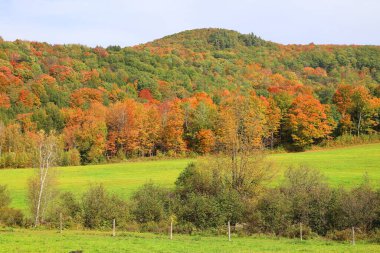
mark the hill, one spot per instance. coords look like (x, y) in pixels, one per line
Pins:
(176, 92)
(189, 62)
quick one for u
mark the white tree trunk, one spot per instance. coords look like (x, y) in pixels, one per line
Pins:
(46, 156)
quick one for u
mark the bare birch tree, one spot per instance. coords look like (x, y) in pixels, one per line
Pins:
(40, 192)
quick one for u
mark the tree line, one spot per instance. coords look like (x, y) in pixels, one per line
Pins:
(90, 132)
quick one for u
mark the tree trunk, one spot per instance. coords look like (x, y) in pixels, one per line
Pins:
(359, 122)
(271, 140)
(36, 222)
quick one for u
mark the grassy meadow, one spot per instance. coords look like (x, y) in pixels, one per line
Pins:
(94, 241)
(342, 167)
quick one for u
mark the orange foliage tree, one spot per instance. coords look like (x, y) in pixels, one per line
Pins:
(308, 121)
(273, 118)
(241, 124)
(206, 141)
(172, 120)
(358, 109)
(4, 101)
(86, 131)
(83, 97)
(150, 128)
(342, 99)
(124, 124)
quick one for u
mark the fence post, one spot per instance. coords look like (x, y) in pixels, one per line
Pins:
(229, 231)
(113, 227)
(60, 222)
(171, 229)
(353, 235)
(301, 231)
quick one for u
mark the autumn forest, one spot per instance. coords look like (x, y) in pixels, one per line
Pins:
(185, 94)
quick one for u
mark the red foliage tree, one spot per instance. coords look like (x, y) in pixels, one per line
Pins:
(146, 94)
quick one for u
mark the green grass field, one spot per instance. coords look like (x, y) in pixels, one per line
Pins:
(343, 166)
(94, 241)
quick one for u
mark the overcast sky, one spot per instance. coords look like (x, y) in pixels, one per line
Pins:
(131, 22)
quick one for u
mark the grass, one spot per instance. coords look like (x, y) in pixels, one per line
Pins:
(94, 241)
(342, 166)
(120, 178)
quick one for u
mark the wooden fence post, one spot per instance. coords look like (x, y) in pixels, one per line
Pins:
(171, 229)
(301, 231)
(229, 231)
(353, 235)
(60, 222)
(113, 227)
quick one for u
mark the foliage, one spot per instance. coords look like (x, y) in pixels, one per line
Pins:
(151, 203)
(176, 93)
(9, 216)
(5, 199)
(100, 208)
(308, 121)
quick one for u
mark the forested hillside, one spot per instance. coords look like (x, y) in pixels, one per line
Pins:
(193, 92)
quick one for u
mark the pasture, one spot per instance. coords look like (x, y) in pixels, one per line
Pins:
(23, 240)
(342, 167)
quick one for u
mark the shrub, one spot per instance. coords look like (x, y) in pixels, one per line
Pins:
(309, 197)
(273, 213)
(346, 235)
(100, 208)
(154, 227)
(340, 235)
(67, 205)
(200, 210)
(375, 236)
(294, 231)
(151, 203)
(5, 199)
(184, 228)
(11, 217)
(47, 197)
(361, 206)
(8, 216)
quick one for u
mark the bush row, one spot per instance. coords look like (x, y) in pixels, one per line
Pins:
(202, 203)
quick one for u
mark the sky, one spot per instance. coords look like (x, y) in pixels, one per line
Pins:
(132, 22)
